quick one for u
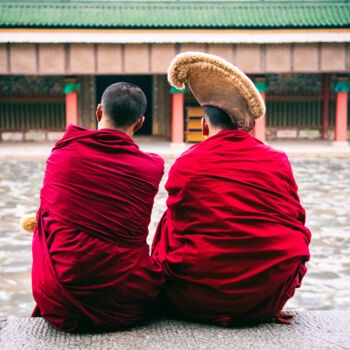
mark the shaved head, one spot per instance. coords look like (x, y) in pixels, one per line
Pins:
(123, 103)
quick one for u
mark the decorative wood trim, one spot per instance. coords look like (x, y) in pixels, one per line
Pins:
(292, 57)
(260, 67)
(347, 57)
(95, 59)
(150, 58)
(319, 56)
(177, 48)
(123, 57)
(67, 58)
(234, 49)
(8, 53)
(37, 58)
(263, 58)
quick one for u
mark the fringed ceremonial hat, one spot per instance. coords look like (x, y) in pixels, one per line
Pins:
(218, 83)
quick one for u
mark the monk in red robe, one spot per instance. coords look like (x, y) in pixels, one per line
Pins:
(91, 264)
(232, 241)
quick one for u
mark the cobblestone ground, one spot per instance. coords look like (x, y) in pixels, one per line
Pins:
(324, 189)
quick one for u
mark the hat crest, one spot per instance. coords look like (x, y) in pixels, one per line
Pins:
(185, 64)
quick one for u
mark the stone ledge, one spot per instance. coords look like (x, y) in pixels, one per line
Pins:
(309, 330)
(39, 151)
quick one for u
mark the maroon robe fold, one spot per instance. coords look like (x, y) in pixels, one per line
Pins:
(91, 264)
(232, 241)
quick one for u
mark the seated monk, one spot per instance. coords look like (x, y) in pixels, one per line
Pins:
(232, 242)
(91, 264)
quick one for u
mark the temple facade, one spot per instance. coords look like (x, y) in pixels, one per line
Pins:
(57, 57)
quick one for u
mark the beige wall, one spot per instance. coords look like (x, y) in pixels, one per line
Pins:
(225, 51)
(248, 58)
(51, 58)
(306, 58)
(23, 58)
(333, 57)
(81, 58)
(278, 58)
(136, 58)
(63, 59)
(109, 59)
(161, 56)
(3, 59)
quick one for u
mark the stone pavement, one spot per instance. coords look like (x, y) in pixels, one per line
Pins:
(319, 330)
(295, 148)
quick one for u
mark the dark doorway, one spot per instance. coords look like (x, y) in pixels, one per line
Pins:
(143, 81)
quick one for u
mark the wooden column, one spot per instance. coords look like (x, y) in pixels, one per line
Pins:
(341, 88)
(325, 107)
(177, 116)
(260, 124)
(70, 91)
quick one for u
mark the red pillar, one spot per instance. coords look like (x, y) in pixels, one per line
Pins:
(341, 114)
(325, 107)
(340, 132)
(71, 108)
(70, 90)
(177, 118)
(260, 124)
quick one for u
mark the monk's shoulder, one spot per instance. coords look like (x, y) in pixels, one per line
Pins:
(154, 162)
(155, 158)
(279, 158)
(187, 163)
(271, 152)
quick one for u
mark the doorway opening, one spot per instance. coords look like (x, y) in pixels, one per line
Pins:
(143, 81)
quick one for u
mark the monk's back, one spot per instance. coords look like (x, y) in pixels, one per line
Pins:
(106, 169)
(235, 229)
(96, 203)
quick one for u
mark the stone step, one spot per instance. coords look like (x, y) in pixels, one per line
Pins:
(310, 330)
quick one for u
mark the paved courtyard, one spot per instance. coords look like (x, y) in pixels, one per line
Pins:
(324, 189)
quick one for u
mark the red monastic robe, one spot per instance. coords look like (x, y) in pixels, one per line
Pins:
(232, 241)
(91, 263)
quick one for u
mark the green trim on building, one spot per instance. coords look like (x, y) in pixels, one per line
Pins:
(174, 90)
(70, 87)
(342, 86)
(175, 14)
(261, 86)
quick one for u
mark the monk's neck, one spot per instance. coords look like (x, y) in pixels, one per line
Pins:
(126, 131)
(213, 132)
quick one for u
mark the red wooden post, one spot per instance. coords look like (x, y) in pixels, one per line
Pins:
(70, 90)
(325, 107)
(177, 116)
(260, 124)
(341, 115)
(71, 108)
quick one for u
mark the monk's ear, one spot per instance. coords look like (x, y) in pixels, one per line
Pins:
(99, 112)
(205, 127)
(138, 124)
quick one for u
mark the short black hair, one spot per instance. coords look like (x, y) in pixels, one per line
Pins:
(218, 118)
(124, 103)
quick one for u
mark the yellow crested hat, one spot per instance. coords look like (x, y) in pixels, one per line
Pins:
(216, 82)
